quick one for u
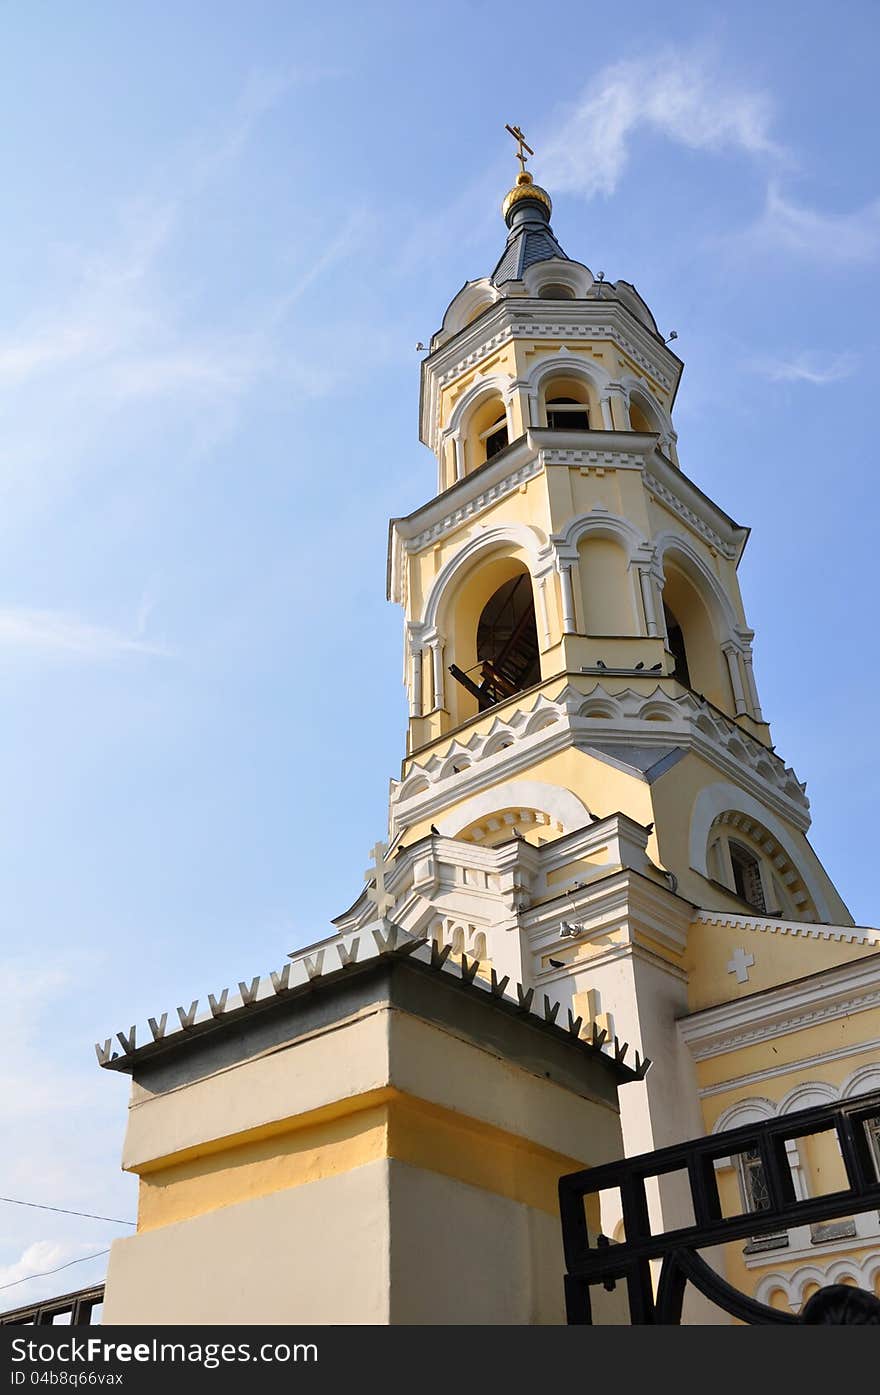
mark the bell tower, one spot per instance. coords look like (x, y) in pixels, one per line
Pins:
(574, 625)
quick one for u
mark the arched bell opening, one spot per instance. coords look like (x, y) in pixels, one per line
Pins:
(568, 404)
(495, 638)
(692, 638)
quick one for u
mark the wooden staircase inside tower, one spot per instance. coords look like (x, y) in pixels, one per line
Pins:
(507, 644)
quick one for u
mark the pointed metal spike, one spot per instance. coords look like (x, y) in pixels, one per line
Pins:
(386, 943)
(410, 946)
(439, 956)
(574, 1024)
(315, 967)
(158, 1028)
(188, 1018)
(499, 984)
(469, 970)
(218, 1005)
(550, 1010)
(249, 993)
(525, 997)
(598, 1038)
(347, 957)
(103, 1052)
(127, 1042)
(620, 1051)
(281, 980)
(643, 1068)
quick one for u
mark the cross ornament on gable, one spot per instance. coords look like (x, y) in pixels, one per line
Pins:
(740, 965)
(521, 142)
(377, 892)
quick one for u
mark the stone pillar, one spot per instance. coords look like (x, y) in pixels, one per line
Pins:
(646, 581)
(731, 654)
(569, 623)
(437, 671)
(751, 686)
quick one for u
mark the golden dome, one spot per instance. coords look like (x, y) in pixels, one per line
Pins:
(526, 189)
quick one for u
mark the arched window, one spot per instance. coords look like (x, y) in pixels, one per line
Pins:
(747, 875)
(485, 432)
(676, 646)
(495, 436)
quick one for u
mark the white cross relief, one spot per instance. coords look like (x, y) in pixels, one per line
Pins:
(378, 894)
(740, 965)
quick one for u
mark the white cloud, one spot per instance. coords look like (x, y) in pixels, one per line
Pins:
(35, 1261)
(683, 96)
(58, 633)
(832, 238)
(806, 368)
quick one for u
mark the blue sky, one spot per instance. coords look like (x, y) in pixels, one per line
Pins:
(225, 228)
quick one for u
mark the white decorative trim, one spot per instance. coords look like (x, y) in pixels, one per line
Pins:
(757, 1017)
(688, 515)
(499, 489)
(759, 1077)
(586, 719)
(863, 1271)
(562, 806)
(525, 537)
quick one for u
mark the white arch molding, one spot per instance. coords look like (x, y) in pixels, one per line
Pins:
(690, 561)
(523, 536)
(562, 806)
(721, 798)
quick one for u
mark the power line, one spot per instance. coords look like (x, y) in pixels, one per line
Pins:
(45, 1272)
(87, 1215)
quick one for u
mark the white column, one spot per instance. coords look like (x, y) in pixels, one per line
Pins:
(646, 582)
(437, 659)
(569, 625)
(731, 654)
(607, 420)
(542, 611)
(751, 685)
(416, 697)
(458, 447)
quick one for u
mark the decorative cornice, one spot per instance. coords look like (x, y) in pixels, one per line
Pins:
(655, 719)
(699, 525)
(757, 1017)
(849, 934)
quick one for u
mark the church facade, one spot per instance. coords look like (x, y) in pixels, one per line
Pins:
(591, 821)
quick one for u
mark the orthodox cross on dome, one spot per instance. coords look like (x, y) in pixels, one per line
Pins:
(740, 965)
(378, 893)
(521, 142)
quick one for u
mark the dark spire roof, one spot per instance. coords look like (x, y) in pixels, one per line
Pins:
(526, 211)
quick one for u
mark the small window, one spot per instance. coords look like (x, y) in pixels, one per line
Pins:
(496, 437)
(756, 1194)
(747, 876)
(566, 414)
(872, 1129)
(556, 292)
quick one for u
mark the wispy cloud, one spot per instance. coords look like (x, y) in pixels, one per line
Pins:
(806, 367)
(832, 238)
(36, 1260)
(56, 633)
(685, 96)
